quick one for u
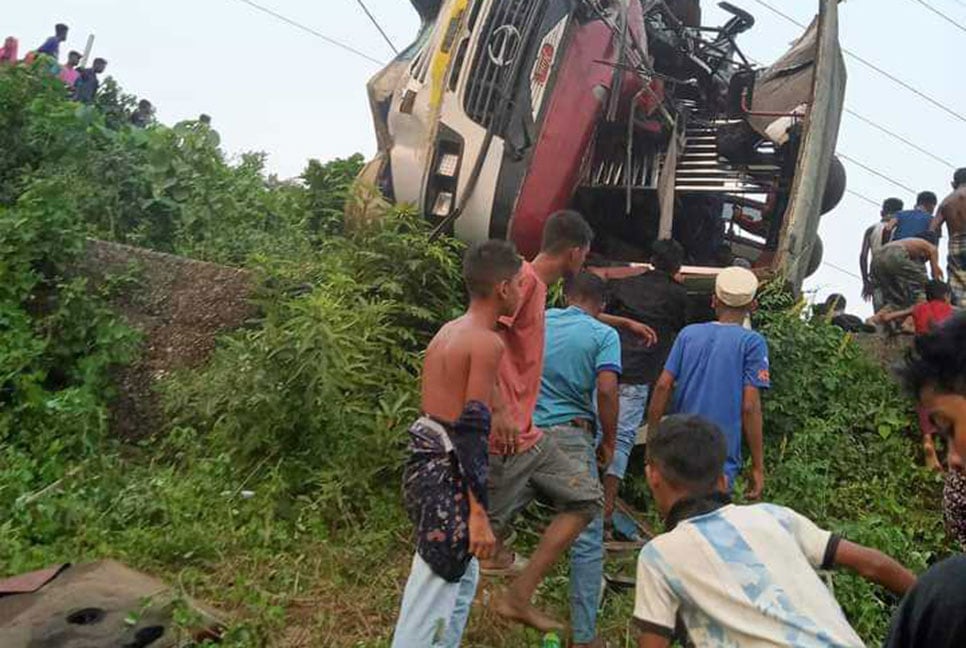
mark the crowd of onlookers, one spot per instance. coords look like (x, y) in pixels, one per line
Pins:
(82, 81)
(521, 402)
(897, 250)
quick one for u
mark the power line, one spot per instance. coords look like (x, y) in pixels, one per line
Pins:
(378, 26)
(842, 270)
(873, 66)
(875, 172)
(945, 17)
(297, 25)
(900, 138)
(863, 197)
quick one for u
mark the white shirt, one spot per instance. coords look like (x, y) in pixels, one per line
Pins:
(742, 576)
(877, 234)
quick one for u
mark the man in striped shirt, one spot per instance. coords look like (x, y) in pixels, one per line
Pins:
(738, 575)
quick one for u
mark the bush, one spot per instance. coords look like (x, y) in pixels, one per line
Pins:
(329, 381)
(837, 451)
(57, 340)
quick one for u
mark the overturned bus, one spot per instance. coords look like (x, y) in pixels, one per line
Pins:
(633, 112)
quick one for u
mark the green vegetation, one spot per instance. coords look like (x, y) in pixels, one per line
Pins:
(274, 493)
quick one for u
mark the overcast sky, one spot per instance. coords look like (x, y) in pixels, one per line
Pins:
(271, 87)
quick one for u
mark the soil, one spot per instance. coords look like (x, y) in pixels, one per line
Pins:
(886, 350)
(180, 305)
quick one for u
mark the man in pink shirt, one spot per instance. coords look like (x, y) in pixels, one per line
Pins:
(524, 462)
(68, 73)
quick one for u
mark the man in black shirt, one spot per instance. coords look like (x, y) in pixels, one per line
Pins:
(655, 299)
(85, 90)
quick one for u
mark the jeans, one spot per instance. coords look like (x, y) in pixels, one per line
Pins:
(633, 402)
(434, 612)
(587, 552)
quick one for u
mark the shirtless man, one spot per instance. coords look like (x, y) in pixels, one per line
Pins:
(952, 211)
(445, 480)
(897, 270)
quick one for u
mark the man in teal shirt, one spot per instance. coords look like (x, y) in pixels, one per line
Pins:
(582, 356)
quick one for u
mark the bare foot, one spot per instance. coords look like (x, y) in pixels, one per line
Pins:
(505, 563)
(508, 607)
(932, 463)
(503, 559)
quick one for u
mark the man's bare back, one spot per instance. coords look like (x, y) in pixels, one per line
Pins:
(952, 211)
(460, 366)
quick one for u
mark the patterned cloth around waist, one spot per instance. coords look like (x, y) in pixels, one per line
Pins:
(957, 267)
(446, 463)
(954, 506)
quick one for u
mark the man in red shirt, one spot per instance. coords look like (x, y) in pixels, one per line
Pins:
(926, 316)
(524, 462)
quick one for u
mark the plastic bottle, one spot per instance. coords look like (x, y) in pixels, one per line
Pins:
(551, 640)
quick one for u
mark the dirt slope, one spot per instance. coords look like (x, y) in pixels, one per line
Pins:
(180, 305)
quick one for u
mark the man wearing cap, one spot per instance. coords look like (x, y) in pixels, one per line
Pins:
(716, 370)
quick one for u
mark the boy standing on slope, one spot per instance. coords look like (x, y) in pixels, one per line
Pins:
(582, 356)
(524, 462)
(716, 370)
(738, 575)
(445, 479)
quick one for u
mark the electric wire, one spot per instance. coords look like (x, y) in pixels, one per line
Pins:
(884, 129)
(942, 15)
(875, 172)
(862, 197)
(872, 66)
(842, 270)
(375, 22)
(298, 25)
(899, 138)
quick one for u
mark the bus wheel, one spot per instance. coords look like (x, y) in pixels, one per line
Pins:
(834, 185)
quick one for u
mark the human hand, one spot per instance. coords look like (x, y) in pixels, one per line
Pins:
(505, 434)
(642, 331)
(756, 485)
(482, 539)
(937, 273)
(605, 454)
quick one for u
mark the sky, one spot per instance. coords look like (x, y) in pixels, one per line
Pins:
(274, 88)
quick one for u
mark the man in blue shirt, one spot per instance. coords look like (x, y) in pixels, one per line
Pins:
(915, 222)
(51, 46)
(716, 370)
(581, 356)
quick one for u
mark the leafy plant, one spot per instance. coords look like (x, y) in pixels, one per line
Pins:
(275, 487)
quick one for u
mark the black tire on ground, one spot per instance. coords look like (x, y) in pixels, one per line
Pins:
(834, 185)
(815, 260)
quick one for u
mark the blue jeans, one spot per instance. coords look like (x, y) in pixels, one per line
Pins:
(434, 611)
(633, 402)
(587, 552)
